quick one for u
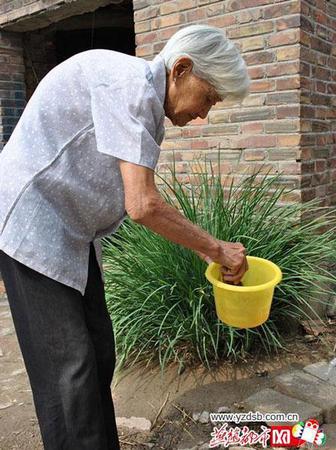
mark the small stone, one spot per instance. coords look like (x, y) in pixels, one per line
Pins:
(204, 417)
(6, 405)
(139, 423)
(7, 331)
(196, 416)
(223, 409)
(18, 372)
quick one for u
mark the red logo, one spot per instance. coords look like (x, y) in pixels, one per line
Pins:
(281, 436)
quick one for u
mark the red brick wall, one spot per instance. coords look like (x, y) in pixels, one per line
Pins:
(12, 84)
(318, 99)
(285, 125)
(264, 131)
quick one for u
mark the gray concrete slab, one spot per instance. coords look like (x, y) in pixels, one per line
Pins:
(302, 385)
(330, 432)
(323, 371)
(271, 401)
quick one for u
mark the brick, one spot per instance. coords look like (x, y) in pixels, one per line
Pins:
(262, 57)
(286, 84)
(144, 50)
(282, 126)
(233, 155)
(173, 132)
(168, 8)
(178, 145)
(221, 129)
(261, 167)
(309, 388)
(307, 24)
(222, 21)
(271, 401)
(282, 98)
(257, 72)
(203, 144)
(252, 128)
(215, 9)
(252, 115)
(186, 4)
(158, 47)
(253, 43)
(285, 112)
(258, 141)
(196, 15)
(146, 13)
(288, 53)
(238, 5)
(170, 20)
(218, 116)
(286, 68)
(290, 168)
(140, 27)
(254, 100)
(251, 29)
(283, 9)
(262, 86)
(288, 141)
(323, 371)
(146, 38)
(166, 33)
(249, 15)
(139, 4)
(283, 154)
(288, 22)
(254, 155)
(286, 37)
(191, 132)
(291, 197)
(305, 38)
(199, 121)
(308, 194)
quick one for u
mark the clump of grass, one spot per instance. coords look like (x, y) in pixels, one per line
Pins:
(160, 302)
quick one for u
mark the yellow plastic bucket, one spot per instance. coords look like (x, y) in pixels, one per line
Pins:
(249, 305)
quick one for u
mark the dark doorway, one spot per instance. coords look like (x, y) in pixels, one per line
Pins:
(68, 43)
(110, 27)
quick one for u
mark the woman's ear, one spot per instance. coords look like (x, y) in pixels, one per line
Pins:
(181, 67)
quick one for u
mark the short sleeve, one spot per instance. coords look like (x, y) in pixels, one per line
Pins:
(126, 120)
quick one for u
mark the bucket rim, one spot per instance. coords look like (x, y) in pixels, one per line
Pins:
(260, 287)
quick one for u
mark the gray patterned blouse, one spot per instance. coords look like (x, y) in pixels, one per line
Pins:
(60, 182)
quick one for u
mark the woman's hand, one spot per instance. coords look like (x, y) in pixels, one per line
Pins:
(232, 258)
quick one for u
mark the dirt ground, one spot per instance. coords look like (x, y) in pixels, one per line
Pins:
(167, 400)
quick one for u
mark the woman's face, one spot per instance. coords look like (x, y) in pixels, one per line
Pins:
(187, 96)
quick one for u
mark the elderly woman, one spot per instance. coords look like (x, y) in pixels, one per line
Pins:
(82, 158)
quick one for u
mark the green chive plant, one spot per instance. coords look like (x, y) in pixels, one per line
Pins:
(160, 302)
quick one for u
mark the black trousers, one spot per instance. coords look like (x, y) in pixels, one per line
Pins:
(67, 344)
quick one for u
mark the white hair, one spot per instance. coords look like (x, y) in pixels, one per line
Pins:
(215, 59)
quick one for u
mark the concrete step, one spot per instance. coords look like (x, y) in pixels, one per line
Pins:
(330, 432)
(321, 371)
(271, 401)
(302, 385)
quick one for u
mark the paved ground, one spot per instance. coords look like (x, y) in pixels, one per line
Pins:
(169, 400)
